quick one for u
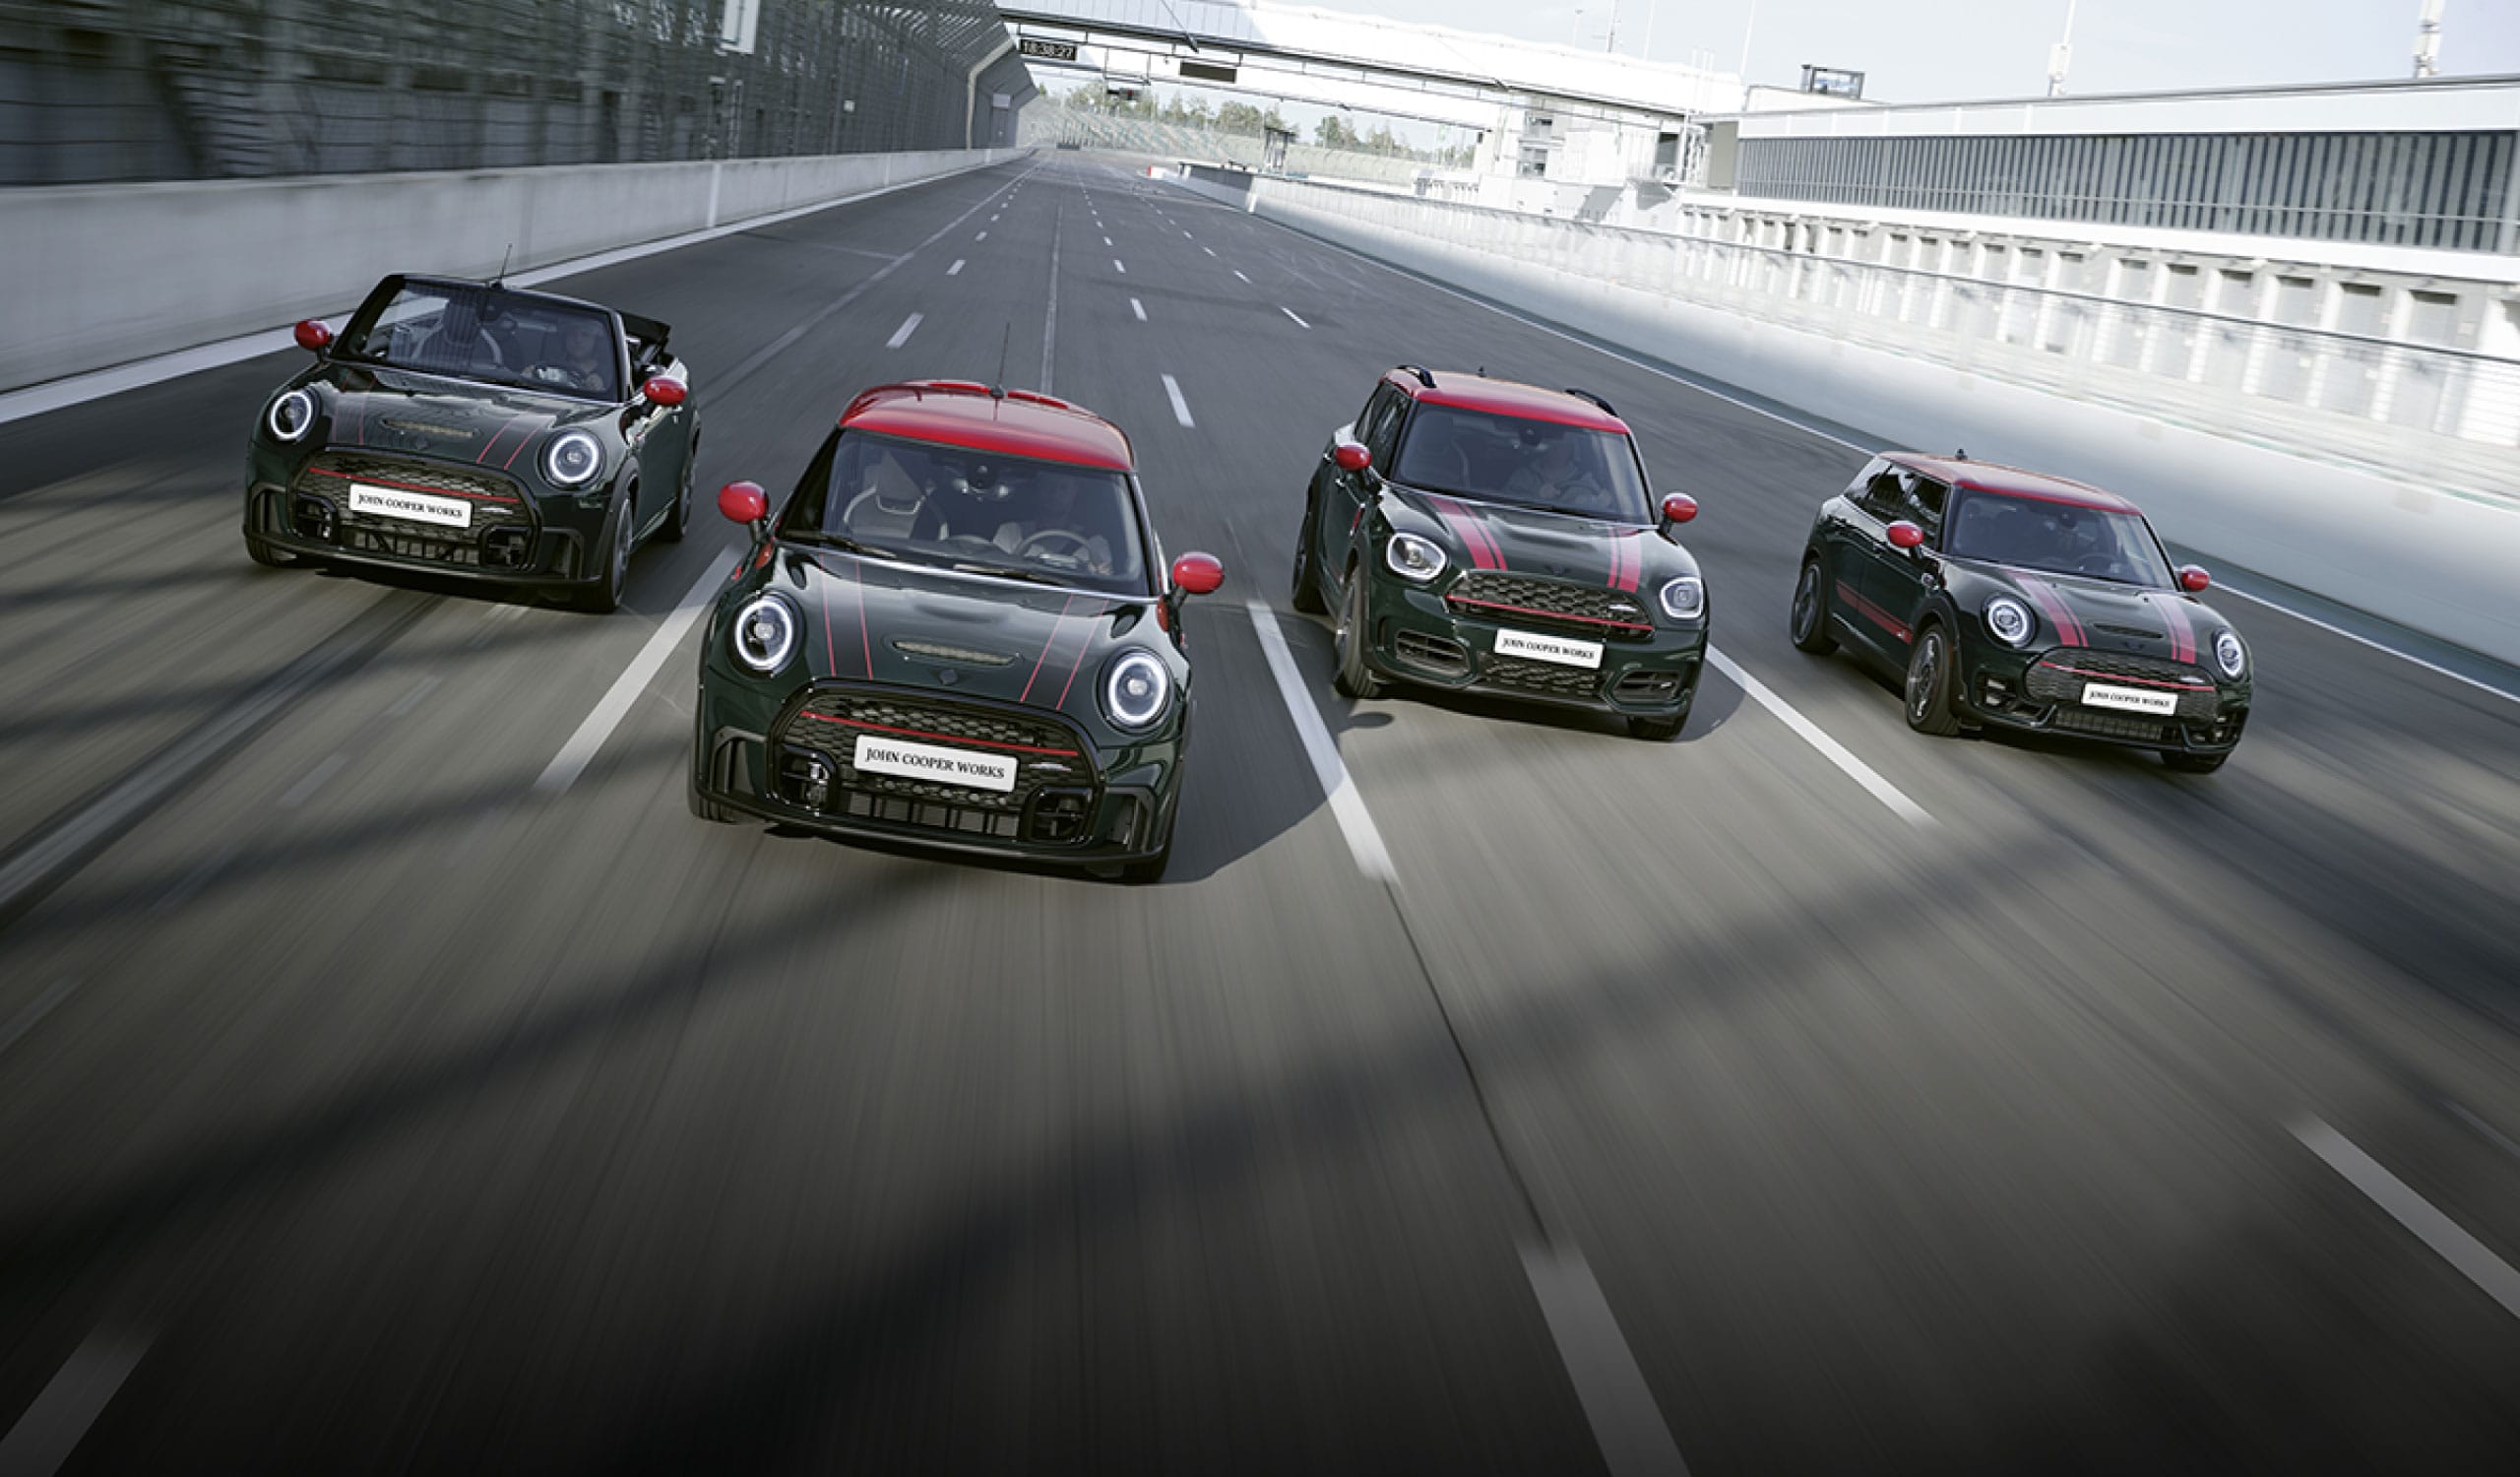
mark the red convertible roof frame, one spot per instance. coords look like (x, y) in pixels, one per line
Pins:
(1504, 397)
(2012, 481)
(965, 414)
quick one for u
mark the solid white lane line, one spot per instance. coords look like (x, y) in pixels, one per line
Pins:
(411, 699)
(97, 384)
(900, 335)
(28, 1019)
(2469, 1256)
(313, 780)
(1120, 267)
(1618, 1404)
(1180, 406)
(1138, 308)
(1291, 312)
(1238, 273)
(1830, 749)
(955, 270)
(579, 751)
(1356, 823)
(2227, 588)
(54, 1426)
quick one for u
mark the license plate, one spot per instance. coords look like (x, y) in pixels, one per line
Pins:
(1557, 649)
(2129, 699)
(928, 761)
(417, 507)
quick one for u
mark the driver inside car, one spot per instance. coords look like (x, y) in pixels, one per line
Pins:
(585, 360)
(1556, 474)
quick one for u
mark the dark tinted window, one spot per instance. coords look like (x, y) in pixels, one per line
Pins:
(975, 510)
(1540, 464)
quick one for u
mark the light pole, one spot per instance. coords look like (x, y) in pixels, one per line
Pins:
(2061, 55)
(2427, 41)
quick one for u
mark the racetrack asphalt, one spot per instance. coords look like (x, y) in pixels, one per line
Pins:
(1871, 1104)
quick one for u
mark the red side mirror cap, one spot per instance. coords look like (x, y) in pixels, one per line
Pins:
(1198, 573)
(1680, 508)
(1352, 457)
(2194, 579)
(744, 502)
(1905, 535)
(314, 336)
(664, 389)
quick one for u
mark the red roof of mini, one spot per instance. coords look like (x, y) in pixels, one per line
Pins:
(1504, 397)
(2012, 481)
(1014, 423)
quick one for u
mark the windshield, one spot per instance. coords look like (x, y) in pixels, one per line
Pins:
(2058, 537)
(1538, 464)
(973, 510)
(490, 334)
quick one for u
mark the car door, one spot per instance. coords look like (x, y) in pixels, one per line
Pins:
(1896, 583)
(1342, 511)
(1849, 537)
(662, 435)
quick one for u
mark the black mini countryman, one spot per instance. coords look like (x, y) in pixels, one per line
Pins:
(957, 632)
(1475, 534)
(2019, 601)
(470, 428)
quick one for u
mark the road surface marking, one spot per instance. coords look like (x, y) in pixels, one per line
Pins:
(1180, 406)
(1627, 1424)
(1106, 241)
(583, 745)
(313, 780)
(28, 1019)
(1356, 823)
(2469, 1256)
(1050, 309)
(1138, 308)
(1291, 312)
(1238, 273)
(1830, 749)
(955, 270)
(1119, 267)
(983, 236)
(1209, 250)
(54, 1426)
(2378, 646)
(900, 335)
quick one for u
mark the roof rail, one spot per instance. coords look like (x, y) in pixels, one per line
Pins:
(1588, 395)
(1423, 377)
(1035, 397)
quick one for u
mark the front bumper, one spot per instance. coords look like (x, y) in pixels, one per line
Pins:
(2002, 689)
(1417, 637)
(752, 753)
(515, 538)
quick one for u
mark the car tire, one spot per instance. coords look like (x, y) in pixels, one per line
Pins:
(260, 551)
(1355, 678)
(2195, 764)
(1929, 687)
(1809, 622)
(1657, 729)
(1307, 593)
(678, 522)
(601, 596)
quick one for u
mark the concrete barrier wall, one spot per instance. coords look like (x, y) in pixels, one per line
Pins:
(2438, 563)
(108, 274)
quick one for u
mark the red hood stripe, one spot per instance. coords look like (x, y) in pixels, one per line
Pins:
(2051, 604)
(2182, 631)
(1027, 694)
(1472, 532)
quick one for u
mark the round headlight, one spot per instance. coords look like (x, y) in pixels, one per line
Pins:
(1684, 599)
(2228, 656)
(1414, 558)
(765, 633)
(292, 417)
(572, 460)
(1136, 688)
(2010, 621)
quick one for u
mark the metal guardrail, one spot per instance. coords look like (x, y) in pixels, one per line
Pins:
(101, 91)
(2444, 416)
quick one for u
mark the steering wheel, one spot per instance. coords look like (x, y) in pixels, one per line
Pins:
(1081, 546)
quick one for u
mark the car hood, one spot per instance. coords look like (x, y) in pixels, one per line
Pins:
(1553, 545)
(2105, 615)
(449, 420)
(870, 619)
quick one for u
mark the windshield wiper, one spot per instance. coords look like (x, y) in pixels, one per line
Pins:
(840, 542)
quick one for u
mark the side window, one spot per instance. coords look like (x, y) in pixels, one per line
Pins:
(1882, 496)
(1923, 501)
(1863, 479)
(1380, 429)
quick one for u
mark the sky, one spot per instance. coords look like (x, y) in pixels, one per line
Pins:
(1938, 51)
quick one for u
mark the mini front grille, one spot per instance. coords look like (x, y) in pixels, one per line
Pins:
(2127, 726)
(500, 531)
(1045, 751)
(970, 820)
(2061, 676)
(337, 466)
(1560, 605)
(1437, 654)
(1541, 677)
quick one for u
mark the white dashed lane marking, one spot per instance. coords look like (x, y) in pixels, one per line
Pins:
(1291, 312)
(955, 270)
(1180, 406)
(2470, 1258)
(900, 335)
(1346, 806)
(1138, 308)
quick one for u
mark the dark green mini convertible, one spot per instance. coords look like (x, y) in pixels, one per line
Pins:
(470, 428)
(959, 632)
